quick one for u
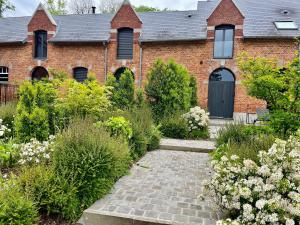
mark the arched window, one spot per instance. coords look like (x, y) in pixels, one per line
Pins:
(222, 74)
(40, 43)
(224, 41)
(120, 71)
(125, 43)
(4, 72)
(80, 74)
(39, 73)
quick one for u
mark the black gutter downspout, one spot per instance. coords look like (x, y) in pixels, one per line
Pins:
(105, 44)
(141, 65)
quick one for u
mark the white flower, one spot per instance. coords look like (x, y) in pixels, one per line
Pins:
(260, 204)
(290, 222)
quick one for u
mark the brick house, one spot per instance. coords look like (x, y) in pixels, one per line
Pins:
(206, 41)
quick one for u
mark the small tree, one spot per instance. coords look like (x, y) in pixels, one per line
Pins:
(123, 89)
(168, 89)
(56, 7)
(5, 5)
(278, 85)
(35, 111)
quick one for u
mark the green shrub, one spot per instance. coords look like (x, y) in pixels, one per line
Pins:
(175, 127)
(81, 99)
(194, 90)
(155, 136)
(90, 160)
(139, 98)
(7, 114)
(9, 155)
(199, 134)
(119, 127)
(123, 89)
(168, 89)
(142, 122)
(240, 133)
(35, 111)
(15, 208)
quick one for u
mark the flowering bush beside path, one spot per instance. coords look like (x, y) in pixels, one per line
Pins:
(266, 192)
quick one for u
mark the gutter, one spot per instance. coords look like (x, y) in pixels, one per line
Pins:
(141, 66)
(105, 44)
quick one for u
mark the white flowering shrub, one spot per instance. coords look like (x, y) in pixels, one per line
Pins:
(36, 152)
(4, 130)
(197, 118)
(264, 193)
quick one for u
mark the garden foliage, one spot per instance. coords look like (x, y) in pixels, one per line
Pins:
(168, 89)
(15, 208)
(279, 86)
(123, 92)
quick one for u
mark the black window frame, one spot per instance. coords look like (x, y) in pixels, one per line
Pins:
(75, 69)
(224, 28)
(4, 74)
(40, 44)
(121, 56)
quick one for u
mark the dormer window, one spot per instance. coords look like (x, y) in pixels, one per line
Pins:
(40, 43)
(125, 43)
(286, 25)
(224, 41)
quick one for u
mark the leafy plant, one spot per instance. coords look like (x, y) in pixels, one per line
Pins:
(88, 159)
(123, 89)
(119, 127)
(9, 154)
(15, 208)
(168, 89)
(35, 111)
(7, 114)
(81, 99)
(175, 127)
(279, 86)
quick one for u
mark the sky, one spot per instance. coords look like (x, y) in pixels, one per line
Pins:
(27, 7)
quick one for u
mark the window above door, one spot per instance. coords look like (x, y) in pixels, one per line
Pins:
(224, 42)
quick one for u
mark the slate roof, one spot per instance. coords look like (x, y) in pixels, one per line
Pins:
(260, 16)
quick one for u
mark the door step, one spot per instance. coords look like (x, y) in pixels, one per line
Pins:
(187, 145)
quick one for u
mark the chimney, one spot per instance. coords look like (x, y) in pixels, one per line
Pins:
(94, 10)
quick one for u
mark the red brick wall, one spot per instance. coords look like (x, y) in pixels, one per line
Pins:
(20, 61)
(126, 17)
(197, 57)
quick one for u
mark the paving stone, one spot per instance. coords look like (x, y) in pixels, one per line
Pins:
(162, 188)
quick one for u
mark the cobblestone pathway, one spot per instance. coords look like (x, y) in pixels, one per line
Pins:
(163, 188)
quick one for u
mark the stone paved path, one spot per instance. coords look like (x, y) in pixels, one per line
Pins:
(163, 188)
(187, 145)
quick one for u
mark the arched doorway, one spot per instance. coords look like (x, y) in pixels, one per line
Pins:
(221, 90)
(120, 71)
(39, 73)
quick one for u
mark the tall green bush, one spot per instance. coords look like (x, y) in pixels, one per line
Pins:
(7, 114)
(89, 159)
(35, 111)
(168, 89)
(123, 89)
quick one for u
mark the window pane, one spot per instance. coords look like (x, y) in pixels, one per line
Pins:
(229, 35)
(41, 44)
(228, 49)
(286, 25)
(219, 35)
(218, 49)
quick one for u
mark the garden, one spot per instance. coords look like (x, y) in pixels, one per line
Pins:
(256, 176)
(64, 144)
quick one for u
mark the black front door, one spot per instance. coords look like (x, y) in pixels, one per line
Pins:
(221, 94)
